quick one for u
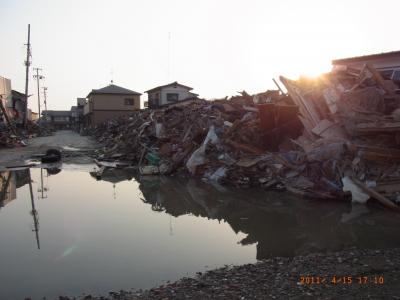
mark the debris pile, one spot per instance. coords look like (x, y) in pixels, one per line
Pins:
(329, 138)
(8, 139)
(11, 136)
(34, 129)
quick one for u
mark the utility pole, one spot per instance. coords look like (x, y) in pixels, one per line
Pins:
(27, 64)
(45, 97)
(38, 77)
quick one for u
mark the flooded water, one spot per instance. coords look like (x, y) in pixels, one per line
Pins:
(77, 234)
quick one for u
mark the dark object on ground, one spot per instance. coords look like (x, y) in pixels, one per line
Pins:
(51, 156)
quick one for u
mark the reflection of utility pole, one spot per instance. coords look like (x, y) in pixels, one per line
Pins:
(4, 187)
(114, 192)
(27, 64)
(42, 188)
(45, 97)
(171, 230)
(34, 212)
(38, 77)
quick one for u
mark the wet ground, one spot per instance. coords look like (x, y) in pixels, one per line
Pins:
(74, 234)
(74, 146)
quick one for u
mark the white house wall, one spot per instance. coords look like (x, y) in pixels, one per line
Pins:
(182, 94)
(5, 91)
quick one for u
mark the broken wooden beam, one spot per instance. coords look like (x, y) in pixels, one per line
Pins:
(374, 194)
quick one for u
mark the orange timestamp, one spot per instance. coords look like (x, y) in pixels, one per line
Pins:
(344, 280)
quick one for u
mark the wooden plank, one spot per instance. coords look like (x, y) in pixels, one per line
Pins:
(245, 148)
(388, 186)
(328, 129)
(378, 127)
(383, 200)
(322, 126)
(378, 78)
(331, 97)
(377, 154)
(307, 108)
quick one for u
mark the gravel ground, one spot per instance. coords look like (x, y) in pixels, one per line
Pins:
(349, 274)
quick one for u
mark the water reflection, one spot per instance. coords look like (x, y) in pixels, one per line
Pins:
(280, 224)
(10, 181)
(152, 229)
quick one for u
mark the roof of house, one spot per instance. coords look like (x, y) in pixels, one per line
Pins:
(175, 84)
(57, 113)
(366, 57)
(113, 89)
(17, 94)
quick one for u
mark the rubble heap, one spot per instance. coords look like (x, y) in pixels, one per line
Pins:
(327, 138)
(34, 129)
(8, 139)
(12, 136)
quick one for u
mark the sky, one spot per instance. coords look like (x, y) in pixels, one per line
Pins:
(218, 47)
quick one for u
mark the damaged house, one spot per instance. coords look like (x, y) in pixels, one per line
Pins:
(170, 94)
(388, 64)
(13, 101)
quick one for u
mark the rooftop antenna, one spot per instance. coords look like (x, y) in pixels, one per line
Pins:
(27, 64)
(112, 76)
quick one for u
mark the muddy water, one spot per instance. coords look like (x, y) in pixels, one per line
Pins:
(77, 234)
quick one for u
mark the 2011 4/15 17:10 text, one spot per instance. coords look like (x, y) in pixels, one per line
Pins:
(310, 280)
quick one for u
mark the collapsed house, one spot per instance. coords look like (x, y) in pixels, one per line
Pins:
(335, 137)
(12, 114)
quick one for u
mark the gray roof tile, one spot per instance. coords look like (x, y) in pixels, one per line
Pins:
(113, 89)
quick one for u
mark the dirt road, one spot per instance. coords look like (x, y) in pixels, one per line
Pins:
(75, 148)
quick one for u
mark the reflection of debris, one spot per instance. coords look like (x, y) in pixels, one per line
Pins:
(356, 211)
(112, 175)
(341, 125)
